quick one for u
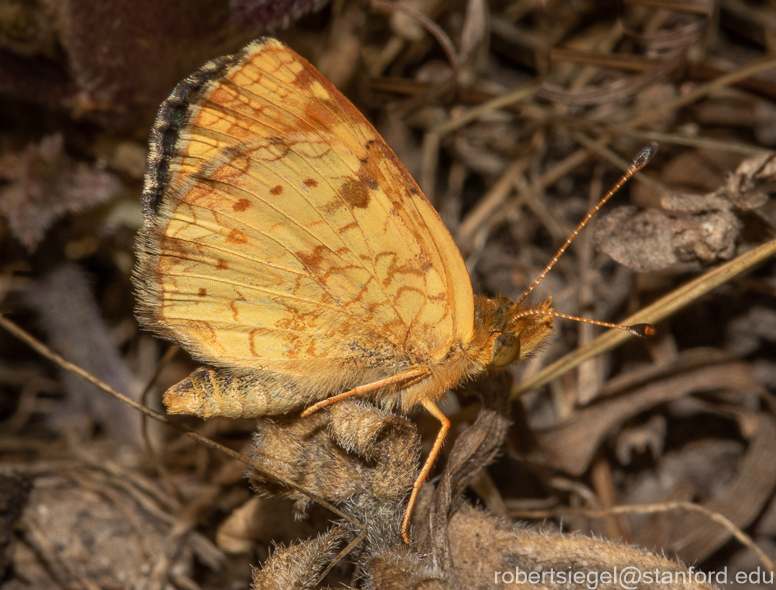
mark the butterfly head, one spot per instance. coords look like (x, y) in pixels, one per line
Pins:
(511, 336)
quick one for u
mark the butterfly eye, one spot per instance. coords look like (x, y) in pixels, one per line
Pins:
(506, 348)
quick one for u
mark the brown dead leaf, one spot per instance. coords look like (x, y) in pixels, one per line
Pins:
(652, 240)
(641, 240)
(473, 450)
(691, 227)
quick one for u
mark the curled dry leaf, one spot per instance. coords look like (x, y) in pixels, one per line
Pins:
(45, 185)
(651, 240)
(702, 228)
(641, 240)
(748, 187)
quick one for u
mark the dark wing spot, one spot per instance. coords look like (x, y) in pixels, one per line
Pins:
(221, 264)
(202, 292)
(356, 193)
(276, 190)
(236, 237)
(312, 259)
(241, 205)
(311, 182)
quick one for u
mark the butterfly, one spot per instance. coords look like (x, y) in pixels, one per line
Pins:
(287, 247)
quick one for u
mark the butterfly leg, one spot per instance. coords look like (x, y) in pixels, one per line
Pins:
(432, 409)
(414, 374)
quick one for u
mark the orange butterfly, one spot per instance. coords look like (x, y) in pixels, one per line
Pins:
(287, 246)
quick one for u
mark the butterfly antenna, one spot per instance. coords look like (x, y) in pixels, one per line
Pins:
(640, 330)
(644, 156)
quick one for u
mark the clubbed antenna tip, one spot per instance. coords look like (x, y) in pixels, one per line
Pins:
(644, 156)
(641, 330)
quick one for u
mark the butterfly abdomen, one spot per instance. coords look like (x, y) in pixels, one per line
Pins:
(210, 393)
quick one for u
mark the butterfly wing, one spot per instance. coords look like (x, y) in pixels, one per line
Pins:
(284, 236)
